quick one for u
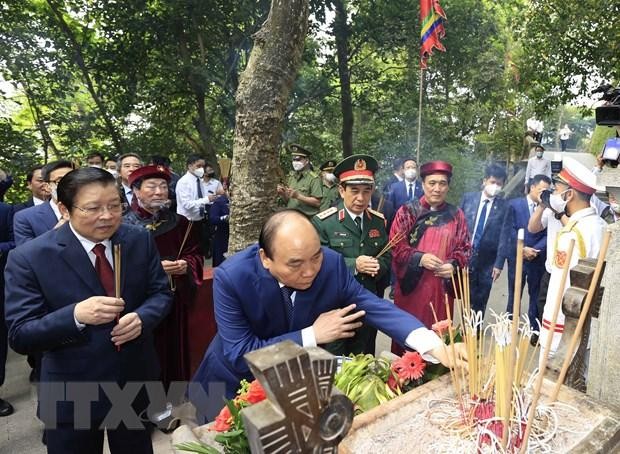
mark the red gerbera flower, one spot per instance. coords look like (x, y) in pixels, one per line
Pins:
(223, 420)
(409, 367)
(255, 393)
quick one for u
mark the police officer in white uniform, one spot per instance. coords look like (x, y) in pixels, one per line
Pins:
(574, 187)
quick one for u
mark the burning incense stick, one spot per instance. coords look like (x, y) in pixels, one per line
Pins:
(516, 313)
(117, 279)
(395, 240)
(173, 286)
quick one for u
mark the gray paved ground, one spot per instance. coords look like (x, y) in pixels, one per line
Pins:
(21, 432)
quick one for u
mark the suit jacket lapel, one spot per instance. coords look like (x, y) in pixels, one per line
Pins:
(267, 288)
(350, 224)
(473, 213)
(75, 256)
(48, 216)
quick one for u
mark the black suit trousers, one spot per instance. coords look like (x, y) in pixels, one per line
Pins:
(66, 440)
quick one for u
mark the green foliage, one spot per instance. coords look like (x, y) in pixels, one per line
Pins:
(160, 78)
(197, 447)
(568, 44)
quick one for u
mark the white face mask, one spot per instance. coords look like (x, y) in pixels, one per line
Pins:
(492, 190)
(199, 172)
(298, 165)
(98, 166)
(330, 177)
(410, 174)
(113, 172)
(615, 207)
(54, 191)
(558, 204)
(539, 154)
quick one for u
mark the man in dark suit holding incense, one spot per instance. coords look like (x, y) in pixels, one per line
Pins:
(62, 300)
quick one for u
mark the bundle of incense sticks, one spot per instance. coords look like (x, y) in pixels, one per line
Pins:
(497, 393)
(117, 279)
(395, 240)
(173, 285)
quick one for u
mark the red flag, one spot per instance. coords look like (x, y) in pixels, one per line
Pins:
(432, 29)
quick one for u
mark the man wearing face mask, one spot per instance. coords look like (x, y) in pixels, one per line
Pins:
(330, 185)
(304, 191)
(485, 212)
(35, 221)
(534, 251)
(409, 189)
(193, 198)
(537, 165)
(94, 160)
(574, 187)
(178, 244)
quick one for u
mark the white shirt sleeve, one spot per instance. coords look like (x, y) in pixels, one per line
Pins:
(186, 197)
(424, 340)
(307, 337)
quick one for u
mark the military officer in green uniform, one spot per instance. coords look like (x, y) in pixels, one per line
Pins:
(330, 185)
(304, 190)
(359, 234)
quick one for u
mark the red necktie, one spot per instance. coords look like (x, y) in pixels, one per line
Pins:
(104, 270)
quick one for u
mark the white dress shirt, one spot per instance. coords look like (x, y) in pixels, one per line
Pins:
(188, 203)
(481, 205)
(128, 193)
(88, 246)
(55, 209)
(36, 201)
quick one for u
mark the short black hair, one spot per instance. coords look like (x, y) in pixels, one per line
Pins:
(192, 158)
(111, 158)
(159, 160)
(55, 165)
(538, 178)
(397, 163)
(72, 182)
(409, 158)
(270, 228)
(96, 154)
(495, 170)
(31, 172)
(120, 159)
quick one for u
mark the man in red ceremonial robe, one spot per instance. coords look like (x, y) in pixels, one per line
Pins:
(179, 248)
(435, 241)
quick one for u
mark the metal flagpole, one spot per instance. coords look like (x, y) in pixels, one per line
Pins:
(420, 115)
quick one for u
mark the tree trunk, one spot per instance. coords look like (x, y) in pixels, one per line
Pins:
(262, 96)
(341, 35)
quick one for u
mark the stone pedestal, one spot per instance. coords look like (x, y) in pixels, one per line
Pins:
(604, 369)
(405, 424)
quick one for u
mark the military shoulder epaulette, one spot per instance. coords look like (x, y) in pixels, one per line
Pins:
(326, 213)
(376, 213)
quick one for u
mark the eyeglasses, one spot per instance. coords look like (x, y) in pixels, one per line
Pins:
(113, 208)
